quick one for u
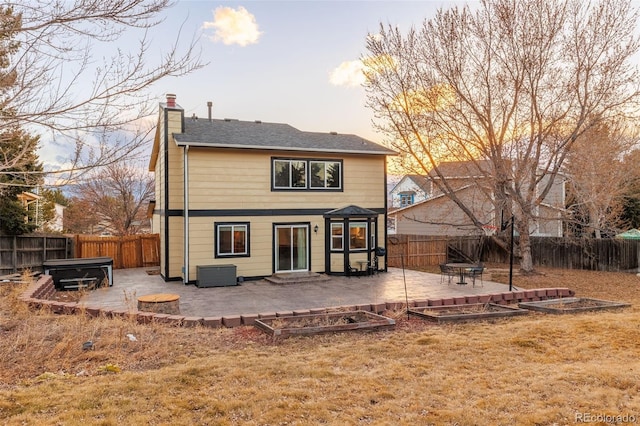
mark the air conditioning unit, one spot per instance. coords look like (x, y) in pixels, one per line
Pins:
(216, 275)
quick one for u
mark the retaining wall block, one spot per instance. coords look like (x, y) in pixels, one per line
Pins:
(529, 294)
(267, 315)
(144, 317)
(232, 321)
(366, 308)
(552, 293)
(378, 308)
(541, 292)
(192, 321)
(175, 320)
(34, 303)
(484, 298)
(71, 308)
(421, 303)
(395, 306)
(447, 302)
(518, 295)
(249, 319)
(470, 300)
(213, 322)
(278, 314)
(120, 313)
(318, 311)
(298, 312)
(57, 307)
(496, 298)
(508, 296)
(460, 300)
(348, 308)
(434, 302)
(47, 304)
(161, 318)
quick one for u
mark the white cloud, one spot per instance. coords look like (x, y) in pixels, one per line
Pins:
(349, 73)
(233, 26)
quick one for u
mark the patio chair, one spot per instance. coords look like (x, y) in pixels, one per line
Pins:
(475, 272)
(446, 271)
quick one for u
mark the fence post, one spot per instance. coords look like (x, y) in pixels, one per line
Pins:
(14, 257)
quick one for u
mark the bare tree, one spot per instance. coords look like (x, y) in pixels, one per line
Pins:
(512, 82)
(117, 196)
(53, 82)
(600, 179)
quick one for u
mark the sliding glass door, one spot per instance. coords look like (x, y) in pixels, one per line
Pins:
(292, 248)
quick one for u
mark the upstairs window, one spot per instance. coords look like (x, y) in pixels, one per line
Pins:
(325, 174)
(289, 174)
(406, 199)
(301, 174)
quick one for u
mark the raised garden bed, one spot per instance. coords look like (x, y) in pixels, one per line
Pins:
(460, 313)
(323, 323)
(569, 305)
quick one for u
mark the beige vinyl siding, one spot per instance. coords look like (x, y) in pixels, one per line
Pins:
(441, 216)
(176, 239)
(161, 221)
(243, 180)
(260, 262)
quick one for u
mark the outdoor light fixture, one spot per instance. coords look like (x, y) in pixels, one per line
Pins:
(315, 229)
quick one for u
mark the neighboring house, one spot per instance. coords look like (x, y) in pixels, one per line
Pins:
(56, 223)
(265, 197)
(409, 190)
(33, 204)
(439, 215)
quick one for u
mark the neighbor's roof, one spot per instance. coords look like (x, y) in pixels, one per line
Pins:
(420, 180)
(463, 169)
(229, 133)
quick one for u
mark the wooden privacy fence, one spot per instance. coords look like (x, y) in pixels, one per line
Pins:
(18, 253)
(416, 250)
(134, 251)
(568, 253)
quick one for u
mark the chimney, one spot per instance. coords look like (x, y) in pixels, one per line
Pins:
(171, 100)
(209, 105)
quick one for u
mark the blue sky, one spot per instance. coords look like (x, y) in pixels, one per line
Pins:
(283, 61)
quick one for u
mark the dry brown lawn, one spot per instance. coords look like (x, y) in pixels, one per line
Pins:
(537, 369)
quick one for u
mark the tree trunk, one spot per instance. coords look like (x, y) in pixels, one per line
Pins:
(526, 259)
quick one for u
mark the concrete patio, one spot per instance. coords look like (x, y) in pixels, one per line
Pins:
(255, 297)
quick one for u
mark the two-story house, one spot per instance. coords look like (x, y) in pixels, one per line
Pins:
(409, 190)
(264, 197)
(439, 215)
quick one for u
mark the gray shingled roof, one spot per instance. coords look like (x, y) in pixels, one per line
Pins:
(274, 136)
(463, 169)
(350, 211)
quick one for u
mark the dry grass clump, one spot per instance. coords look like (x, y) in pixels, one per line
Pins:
(536, 369)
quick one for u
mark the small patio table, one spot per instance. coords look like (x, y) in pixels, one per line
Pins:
(461, 268)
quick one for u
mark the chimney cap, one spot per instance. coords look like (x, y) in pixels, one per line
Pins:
(171, 100)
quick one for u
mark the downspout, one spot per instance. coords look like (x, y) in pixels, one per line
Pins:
(186, 214)
(386, 217)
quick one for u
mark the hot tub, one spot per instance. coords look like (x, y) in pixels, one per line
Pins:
(76, 273)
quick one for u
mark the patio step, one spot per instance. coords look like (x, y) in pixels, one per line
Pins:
(297, 278)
